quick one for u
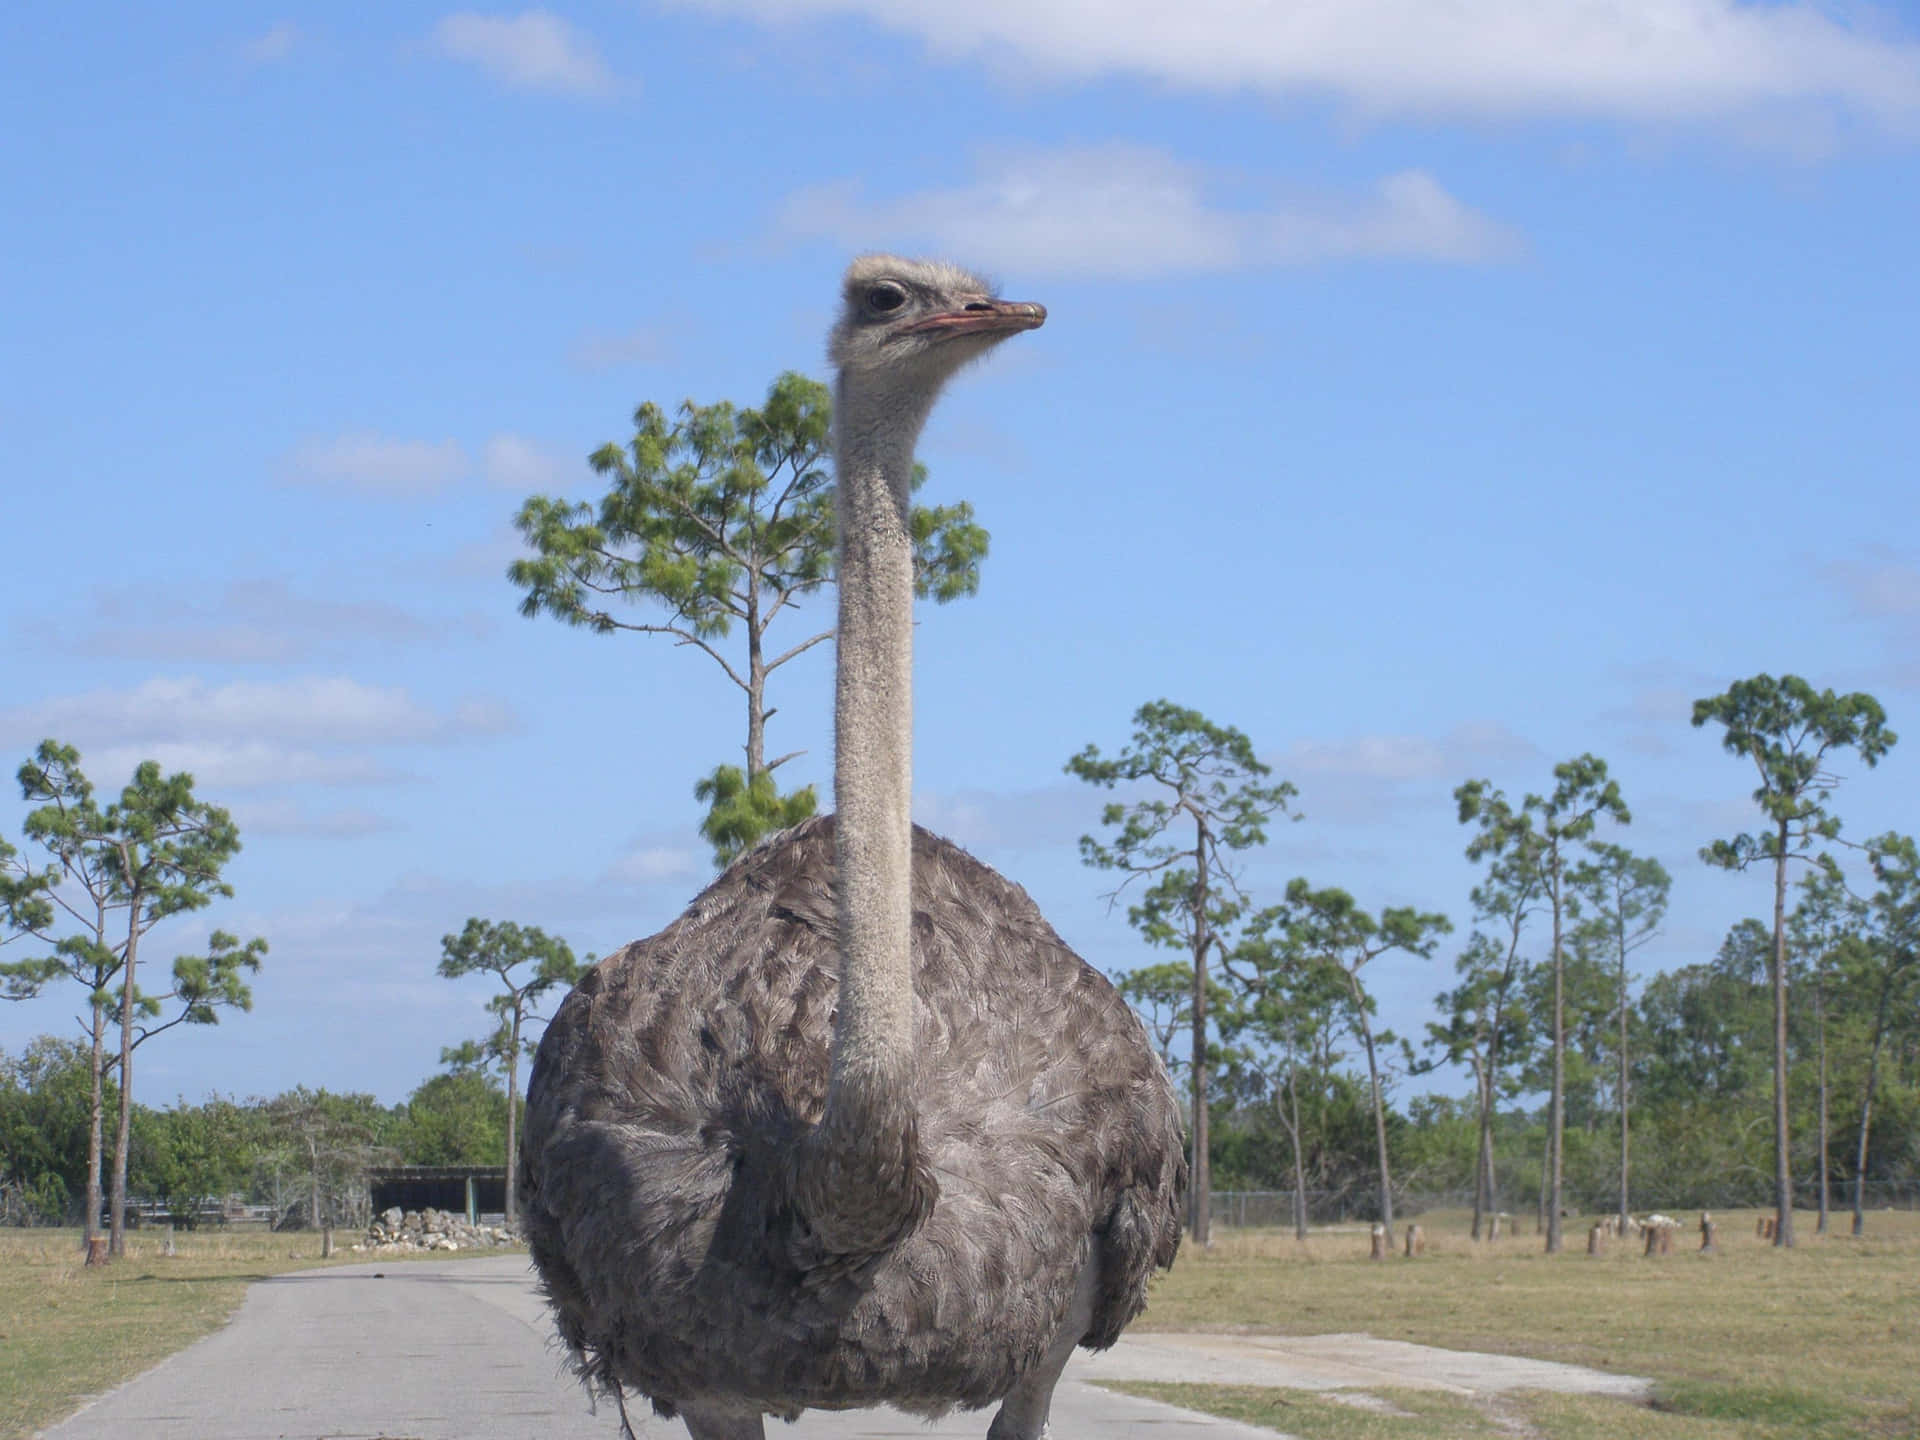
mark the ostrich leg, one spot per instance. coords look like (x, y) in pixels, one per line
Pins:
(1023, 1414)
(723, 1426)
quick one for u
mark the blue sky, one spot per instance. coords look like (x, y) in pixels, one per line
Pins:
(1428, 397)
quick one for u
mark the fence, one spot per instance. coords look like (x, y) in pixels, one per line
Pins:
(1274, 1208)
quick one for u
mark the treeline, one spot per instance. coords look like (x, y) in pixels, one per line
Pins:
(303, 1154)
(1700, 1061)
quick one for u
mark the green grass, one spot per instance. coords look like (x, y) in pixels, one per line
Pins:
(1818, 1343)
(67, 1332)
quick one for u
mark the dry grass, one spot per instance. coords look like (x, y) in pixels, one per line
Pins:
(67, 1332)
(1819, 1341)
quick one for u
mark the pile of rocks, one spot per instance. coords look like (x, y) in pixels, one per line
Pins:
(397, 1231)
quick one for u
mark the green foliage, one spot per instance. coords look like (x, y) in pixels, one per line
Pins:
(740, 812)
(44, 1098)
(1788, 729)
(459, 1118)
(190, 1154)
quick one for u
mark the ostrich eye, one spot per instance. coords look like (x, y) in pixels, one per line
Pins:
(884, 298)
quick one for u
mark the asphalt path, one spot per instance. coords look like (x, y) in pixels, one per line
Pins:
(463, 1350)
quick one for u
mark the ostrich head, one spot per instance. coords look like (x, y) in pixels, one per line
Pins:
(906, 325)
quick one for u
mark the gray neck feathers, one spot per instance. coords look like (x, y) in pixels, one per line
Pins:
(864, 1183)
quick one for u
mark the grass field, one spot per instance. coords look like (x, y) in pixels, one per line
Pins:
(1818, 1343)
(67, 1332)
(1821, 1342)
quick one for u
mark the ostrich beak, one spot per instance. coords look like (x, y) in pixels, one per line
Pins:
(986, 317)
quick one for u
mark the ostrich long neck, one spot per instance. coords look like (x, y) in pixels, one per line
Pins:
(865, 1183)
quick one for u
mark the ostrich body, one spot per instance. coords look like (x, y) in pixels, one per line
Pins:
(857, 1128)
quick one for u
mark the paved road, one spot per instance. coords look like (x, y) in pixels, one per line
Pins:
(462, 1350)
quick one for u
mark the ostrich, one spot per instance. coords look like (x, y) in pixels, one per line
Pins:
(858, 1128)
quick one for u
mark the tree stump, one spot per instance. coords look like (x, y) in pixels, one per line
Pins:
(1416, 1242)
(1709, 1234)
(168, 1252)
(1597, 1239)
(97, 1250)
(1659, 1240)
(1379, 1243)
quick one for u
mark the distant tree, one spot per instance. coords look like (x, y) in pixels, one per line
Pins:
(722, 516)
(1288, 1007)
(1787, 730)
(1627, 899)
(333, 1140)
(190, 1155)
(1205, 776)
(1325, 932)
(1826, 922)
(1552, 831)
(1162, 996)
(1483, 1025)
(44, 1115)
(120, 870)
(1889, 966)
(500, 950)
(455, 1119)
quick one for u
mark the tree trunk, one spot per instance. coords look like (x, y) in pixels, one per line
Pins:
(96, 1125)
(1557, 1121)
(1299, 1160)
(1866, 1110)
(1379, 1113)
(1820, 1030)
(1202, 1171)
(513, 1100)
(1623, 1081)
(123, 1132)
(756, 698)
(1782, 1157)
(1480, 1157)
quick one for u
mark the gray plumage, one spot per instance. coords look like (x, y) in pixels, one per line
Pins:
(857, 1128)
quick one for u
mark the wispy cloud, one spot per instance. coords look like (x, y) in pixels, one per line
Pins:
(378, 465)
(332, 709)
(1641, 60)
(1879, 584)
(534, 50)
(642, 345)
(1130, 211)
(513, 462)
(246, 622)
(272, 47)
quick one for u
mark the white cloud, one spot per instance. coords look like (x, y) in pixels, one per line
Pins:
(534, 50)
(1643, 60)
(231, 764)
(246, 622)
(1880, 585)
(512, 462)
(652, 864)
(1406, 757)
(1125, 210)
(378, 465)
(275, 45)
(310, 709)
(283, 817)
